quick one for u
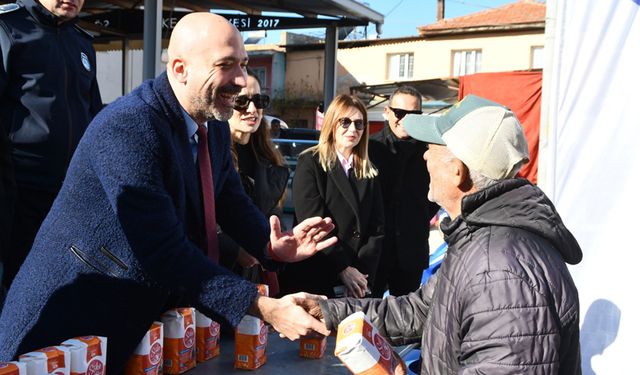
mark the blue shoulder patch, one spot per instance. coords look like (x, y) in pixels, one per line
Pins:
(7, 8)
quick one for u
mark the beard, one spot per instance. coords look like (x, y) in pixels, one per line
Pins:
(204, 104)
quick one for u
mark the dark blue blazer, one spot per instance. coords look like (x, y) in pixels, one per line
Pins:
(121, 242)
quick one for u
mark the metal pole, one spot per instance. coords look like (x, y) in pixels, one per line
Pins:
(125, 65)
(330, 57)
(152, 37)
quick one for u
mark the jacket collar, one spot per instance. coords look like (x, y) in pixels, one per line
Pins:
(159, 95)
(167, 100)
(514, 203)
(43, 15)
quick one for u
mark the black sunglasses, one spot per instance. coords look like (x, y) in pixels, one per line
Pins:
(400, 113)
(345, 122)
(261, 101)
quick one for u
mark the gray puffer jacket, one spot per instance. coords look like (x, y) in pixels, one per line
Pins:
(503, 301)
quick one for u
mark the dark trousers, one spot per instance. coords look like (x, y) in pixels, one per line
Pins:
(389, 276)
(30, 209)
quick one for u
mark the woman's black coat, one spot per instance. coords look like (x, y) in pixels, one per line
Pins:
(358, 218)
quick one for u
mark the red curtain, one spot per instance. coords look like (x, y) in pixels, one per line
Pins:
(520, 91)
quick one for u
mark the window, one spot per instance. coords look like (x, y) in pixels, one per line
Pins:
(537, 57)
(400, 66)
(466, 62)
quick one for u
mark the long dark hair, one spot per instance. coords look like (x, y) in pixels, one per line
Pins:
(260, 142)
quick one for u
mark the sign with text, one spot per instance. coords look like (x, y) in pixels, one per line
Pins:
(130, 21)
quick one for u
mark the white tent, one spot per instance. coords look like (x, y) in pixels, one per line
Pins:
(590, 166)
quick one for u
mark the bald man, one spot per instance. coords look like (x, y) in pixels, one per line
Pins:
(126, 238)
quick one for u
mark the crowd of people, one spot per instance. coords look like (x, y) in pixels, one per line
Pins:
(163, 197)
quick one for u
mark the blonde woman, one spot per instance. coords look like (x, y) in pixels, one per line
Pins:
(336, 179)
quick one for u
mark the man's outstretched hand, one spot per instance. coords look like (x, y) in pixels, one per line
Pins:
(306, 239)
(287, 316)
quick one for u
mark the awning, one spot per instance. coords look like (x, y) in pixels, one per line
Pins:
(442, 90)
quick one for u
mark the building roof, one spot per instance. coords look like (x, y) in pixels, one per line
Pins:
(519, 15)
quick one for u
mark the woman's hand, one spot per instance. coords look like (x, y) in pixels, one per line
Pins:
(354, 281)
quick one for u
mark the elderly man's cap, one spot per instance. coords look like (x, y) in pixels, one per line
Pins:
(485, 135)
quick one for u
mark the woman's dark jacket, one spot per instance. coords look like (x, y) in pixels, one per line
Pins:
(503, 301)
(264, 183)
(358, 217)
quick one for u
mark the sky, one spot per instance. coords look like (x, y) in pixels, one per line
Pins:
(402, 17)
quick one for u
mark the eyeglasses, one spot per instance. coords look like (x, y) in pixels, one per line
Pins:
(400, 113)
(261, 101)
(345, 122)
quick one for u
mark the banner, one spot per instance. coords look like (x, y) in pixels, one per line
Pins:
(522, 93)
(590, 166)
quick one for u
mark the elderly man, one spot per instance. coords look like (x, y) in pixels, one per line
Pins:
(503, 301)
(127, 235)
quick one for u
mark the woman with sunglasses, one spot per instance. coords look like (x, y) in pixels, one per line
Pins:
(336, 179)
(260, 165)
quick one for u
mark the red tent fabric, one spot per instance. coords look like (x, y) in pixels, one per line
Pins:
(520, 91)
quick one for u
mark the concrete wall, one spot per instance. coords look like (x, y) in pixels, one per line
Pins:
(432, 59)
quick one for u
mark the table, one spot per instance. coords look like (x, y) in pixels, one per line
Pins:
(282, 358)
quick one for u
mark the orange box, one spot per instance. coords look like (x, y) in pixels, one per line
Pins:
(207, 338)
(179, 340)
(362, 349)
(251, 343)
(88, 355)
(147, 358)
(263, 289)
(312, 347)
(13, 368)
(50, 360)
(251, 339)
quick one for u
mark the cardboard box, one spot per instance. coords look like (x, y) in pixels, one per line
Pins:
(147, 359)
(312, 347)
(207, 338)
(88, 355)
(48, 361)
(179, 340)
(13, 368)
(362, 349)
(251, 340)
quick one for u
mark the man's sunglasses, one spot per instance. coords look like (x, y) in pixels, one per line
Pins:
(261, 101)
(345, 122)
(400, 113)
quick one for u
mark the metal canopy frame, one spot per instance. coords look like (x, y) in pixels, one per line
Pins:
(345, 12)
(443, 90)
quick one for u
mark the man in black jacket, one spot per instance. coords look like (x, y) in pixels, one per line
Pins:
(405, 183)
(48, 96)
(503, 301)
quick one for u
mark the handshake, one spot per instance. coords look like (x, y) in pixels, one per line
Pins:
(299, 315)
(293, 316)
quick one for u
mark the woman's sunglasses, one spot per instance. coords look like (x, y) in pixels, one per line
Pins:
(400, 113)
(345, 122)
(261, 101)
